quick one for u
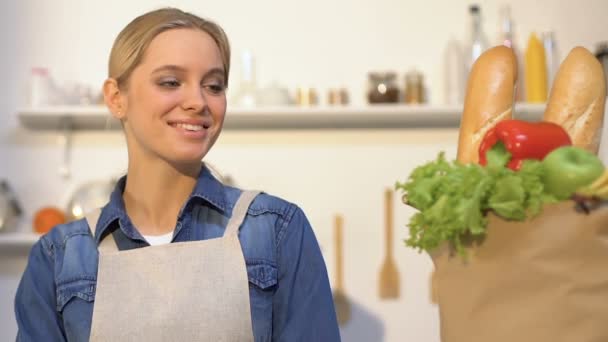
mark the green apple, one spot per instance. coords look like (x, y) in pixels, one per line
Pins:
(568, 168)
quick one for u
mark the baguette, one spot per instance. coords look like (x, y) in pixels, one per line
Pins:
(577, 99)
(489, 99)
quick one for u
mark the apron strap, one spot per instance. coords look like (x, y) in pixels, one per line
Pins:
(240, 211)
(108, 243)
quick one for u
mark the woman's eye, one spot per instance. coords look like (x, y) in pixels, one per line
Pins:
(215, 89)
(169, 83)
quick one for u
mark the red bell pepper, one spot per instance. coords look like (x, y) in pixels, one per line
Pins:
(524, 140)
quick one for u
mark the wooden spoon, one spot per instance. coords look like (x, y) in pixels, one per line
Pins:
(340, 301)
(389, 276)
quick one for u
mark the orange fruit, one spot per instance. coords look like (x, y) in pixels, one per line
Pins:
(47, 218)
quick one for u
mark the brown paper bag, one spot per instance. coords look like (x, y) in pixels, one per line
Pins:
(545, 279)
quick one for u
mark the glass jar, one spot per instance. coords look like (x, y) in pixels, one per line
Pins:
(41, 88)
(414, 87)
(337, 96)
(306, 96)
(382, 87)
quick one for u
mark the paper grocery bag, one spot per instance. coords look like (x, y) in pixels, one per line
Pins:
(545, 279)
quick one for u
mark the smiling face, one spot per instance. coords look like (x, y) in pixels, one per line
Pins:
(174, 103)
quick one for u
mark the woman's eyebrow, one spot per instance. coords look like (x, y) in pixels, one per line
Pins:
(177, 68)
(169, 67)
(215, 71)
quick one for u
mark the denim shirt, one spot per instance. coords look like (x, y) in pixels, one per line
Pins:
(289, 290)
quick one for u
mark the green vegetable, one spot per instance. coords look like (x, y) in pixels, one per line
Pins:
(453, 199)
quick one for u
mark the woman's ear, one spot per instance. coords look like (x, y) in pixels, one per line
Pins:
(113, 98)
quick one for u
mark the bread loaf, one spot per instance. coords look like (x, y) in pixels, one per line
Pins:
(489, 99)
(577, 99)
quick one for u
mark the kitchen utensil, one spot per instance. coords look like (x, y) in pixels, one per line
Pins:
(89, 196)
(389, 276)
(340, 300)
(10, 210)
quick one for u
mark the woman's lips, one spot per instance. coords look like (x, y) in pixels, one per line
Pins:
(191, 130)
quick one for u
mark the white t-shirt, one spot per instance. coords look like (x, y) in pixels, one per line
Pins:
(155, 240)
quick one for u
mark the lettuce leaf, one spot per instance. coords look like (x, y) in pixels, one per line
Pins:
(452, 199)
(498, 156)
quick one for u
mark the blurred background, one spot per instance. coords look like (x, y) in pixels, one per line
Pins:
(330, 103)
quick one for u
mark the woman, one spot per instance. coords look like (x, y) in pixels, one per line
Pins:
(226, 265)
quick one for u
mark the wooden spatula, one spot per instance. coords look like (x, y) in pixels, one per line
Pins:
(340, 301)
(389, 276)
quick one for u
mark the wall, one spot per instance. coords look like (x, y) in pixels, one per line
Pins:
(314, 43)
(11, 64)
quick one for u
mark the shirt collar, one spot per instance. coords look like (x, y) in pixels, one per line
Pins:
(207, 188)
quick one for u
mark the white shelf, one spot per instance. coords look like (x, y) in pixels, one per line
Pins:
(384, 116)
(17, 242)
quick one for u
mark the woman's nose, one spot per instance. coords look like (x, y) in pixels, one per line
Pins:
(194, 100)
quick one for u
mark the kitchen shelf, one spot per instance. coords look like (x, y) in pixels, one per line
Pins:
(391, 116)
(17, 242)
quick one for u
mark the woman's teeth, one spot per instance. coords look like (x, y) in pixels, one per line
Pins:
(189, 127)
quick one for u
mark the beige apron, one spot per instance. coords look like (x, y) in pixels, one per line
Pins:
(185, 291)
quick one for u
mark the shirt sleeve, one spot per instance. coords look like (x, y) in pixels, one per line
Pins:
(303, 303)
(35, 301)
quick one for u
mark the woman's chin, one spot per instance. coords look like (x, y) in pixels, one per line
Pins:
(186, 157)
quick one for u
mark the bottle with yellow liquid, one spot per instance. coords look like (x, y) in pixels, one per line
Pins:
(535, 71)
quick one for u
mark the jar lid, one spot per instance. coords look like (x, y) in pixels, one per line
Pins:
(382, 75)
(414, 76)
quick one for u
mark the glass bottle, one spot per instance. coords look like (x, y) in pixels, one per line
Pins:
(454, 73)
(478, 42)
(246, 94)
(535, 71)
(507, 38)
(551, 57)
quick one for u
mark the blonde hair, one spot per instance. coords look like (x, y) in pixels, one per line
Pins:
(132, 42)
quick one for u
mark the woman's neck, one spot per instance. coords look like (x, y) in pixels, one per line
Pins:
(155, 192)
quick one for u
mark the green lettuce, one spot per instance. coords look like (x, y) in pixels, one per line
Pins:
(453, 199)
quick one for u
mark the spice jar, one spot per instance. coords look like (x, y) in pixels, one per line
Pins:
(337, 96)
(414, 87)
(306, 96)
(382, 88)
(42, 90)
